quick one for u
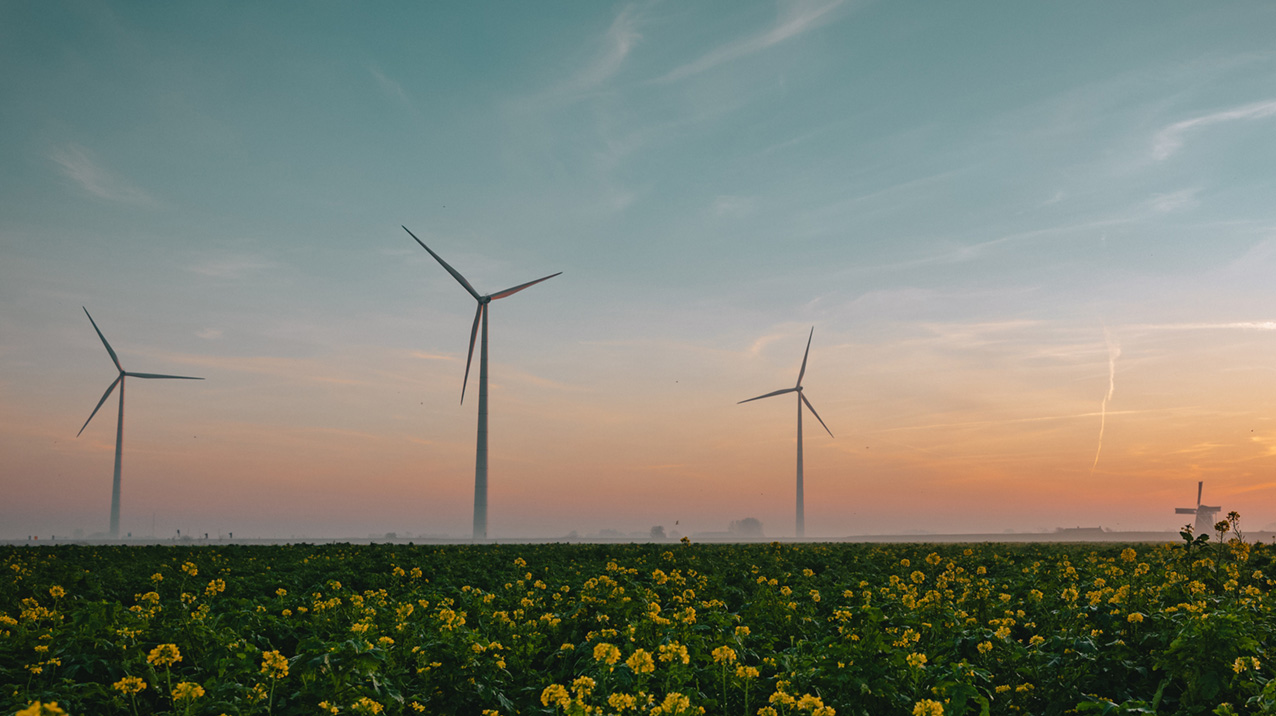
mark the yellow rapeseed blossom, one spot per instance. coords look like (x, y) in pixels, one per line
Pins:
(1245, 663)
(674, 703)
(35, 708)
(190, 569)
(984, 647)
(622, 702)
(1134, 617)
(129, 685)
(367, 706)
(724, 655)
(583, 686)
(274, 664)
(927, 707)
(641, 662)
(187, 690)
(556, 695)
(674, 651)
(916, 660)
(606, 653)
(164, 655)
(329, 707)
(57, 592)
(746, 672)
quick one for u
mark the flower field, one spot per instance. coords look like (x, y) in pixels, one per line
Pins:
(659, 630)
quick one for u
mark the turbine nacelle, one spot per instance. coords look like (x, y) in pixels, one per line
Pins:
(482, 300)
(123, 373)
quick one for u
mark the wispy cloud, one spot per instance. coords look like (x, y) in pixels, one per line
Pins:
(1170, 139)
(1231, 325)
(794, 18)
(78, 164)
(391, 88)
(1114, 352)
(232, 267)
(606, 61)
(1174, 201)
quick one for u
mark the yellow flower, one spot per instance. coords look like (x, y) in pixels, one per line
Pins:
(57, 592)
(583, 686)
(724, 655)
(1134, 618)
(35, 708)
(622, 702)
(984, 647)
(187, 690)
(330, 708)
(556, 695)
(190, 569)
(164, 655)
(674, 651)
(741, 632)
(927, 707)
(366, 705)
(641, 662)
(916, 660)
(606, 653)
(746, 672)
(674, 703)
(129, 685)
(274, 664)
(157, 577)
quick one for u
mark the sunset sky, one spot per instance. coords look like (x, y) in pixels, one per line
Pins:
(1036, 242)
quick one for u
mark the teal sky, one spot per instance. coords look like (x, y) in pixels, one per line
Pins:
(1036, 242)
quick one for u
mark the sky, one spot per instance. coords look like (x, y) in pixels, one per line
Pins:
(1034, 241)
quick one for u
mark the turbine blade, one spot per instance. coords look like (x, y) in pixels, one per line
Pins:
(455, 274)
(817, 415)
(804, 356)
(516, 289)
(1199, 486)
(157, 375)
(105, 395)
(114, 359)
(768, 395)
(469, 358)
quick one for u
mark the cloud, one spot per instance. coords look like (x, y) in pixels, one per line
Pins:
(613, 48)
(1174, 201)
(392, 89)
(77, 164)
(794, 19)
(1233, 325)
(1170, 139)
(232, 267)
(209, 334)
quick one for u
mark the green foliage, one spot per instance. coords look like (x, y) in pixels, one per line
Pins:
(619, 629)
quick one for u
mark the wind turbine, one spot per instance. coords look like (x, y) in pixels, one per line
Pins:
(119, 425)
(1204, 513)
(480, 459)
(801, 517)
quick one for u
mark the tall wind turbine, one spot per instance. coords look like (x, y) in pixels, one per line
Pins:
(480, 315)
(119, 425)
(801, 516)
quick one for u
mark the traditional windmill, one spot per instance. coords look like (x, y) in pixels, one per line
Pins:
(1204, 513)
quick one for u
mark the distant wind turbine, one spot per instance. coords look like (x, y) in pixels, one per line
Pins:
(480, 460)
(801, 516)
(119, 425)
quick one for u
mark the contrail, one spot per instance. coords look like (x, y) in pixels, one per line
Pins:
(1114, 352)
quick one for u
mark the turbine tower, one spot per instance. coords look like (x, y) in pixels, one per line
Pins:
(1204, 513)
(801, 516)
(480, 315)
(119, 425)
